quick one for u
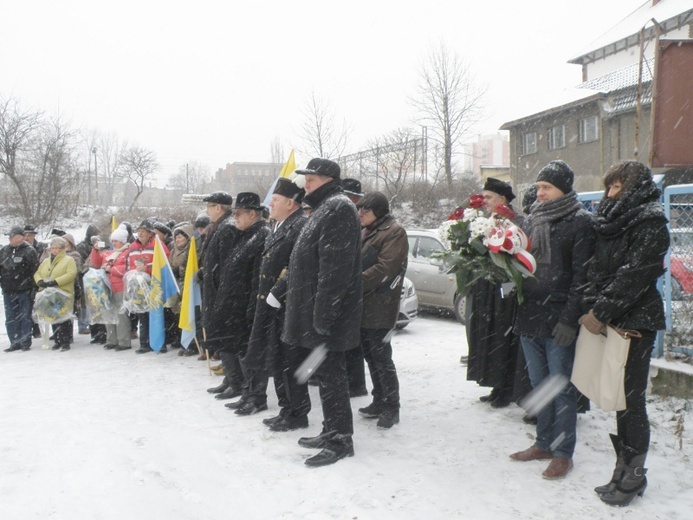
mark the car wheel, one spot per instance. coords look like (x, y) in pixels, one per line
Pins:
(460, 304)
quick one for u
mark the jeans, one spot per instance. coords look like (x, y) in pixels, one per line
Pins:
(18, 320)
(632, 423)
(557, 421)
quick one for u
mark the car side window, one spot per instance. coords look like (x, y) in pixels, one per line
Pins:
(428, 246)
(412, 246)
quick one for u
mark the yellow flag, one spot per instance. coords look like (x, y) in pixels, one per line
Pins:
(191, 297)
(114, 224)
(289, 167)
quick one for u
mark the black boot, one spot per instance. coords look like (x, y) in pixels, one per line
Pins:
(219, 389)
(618, 470)
(633, 481)
(318, 442)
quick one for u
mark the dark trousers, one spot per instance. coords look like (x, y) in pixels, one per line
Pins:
(18, 320)
(293, 397)
(63, 333)
(377, 350)
(144, 329)
(233, 375)
(255, 382)
(334, 395)
(356, 371)
(632, 423)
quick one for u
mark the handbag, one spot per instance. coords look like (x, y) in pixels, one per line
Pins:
(600, 366)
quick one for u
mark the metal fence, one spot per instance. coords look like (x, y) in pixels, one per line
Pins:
(676, 285)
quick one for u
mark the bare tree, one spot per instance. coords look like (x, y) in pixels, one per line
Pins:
(277, 151)
(322, 135)
(193, 177)
(394, 160)
(39, 159)
(138, 166)
(449, 101)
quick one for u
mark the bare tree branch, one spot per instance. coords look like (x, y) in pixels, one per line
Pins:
(139, 165)
(322, 136)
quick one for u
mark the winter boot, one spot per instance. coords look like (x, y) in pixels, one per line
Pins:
(633, 481)
(618, 470)
(336, 448)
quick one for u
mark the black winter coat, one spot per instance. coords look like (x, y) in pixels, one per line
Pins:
(554, 294)
(625, 268)
(275, 263)
(325, 294)
(218, 244)
(17, 268)
(234, 306)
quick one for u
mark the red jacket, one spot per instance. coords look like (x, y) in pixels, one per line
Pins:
(116, 261)
(137, 251)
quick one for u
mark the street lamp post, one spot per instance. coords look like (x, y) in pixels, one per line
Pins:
(96, 176)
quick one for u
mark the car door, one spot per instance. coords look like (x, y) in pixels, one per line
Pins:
(432, 283)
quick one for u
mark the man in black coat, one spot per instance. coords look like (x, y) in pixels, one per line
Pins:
(324, 302)
(237, 295)
(221, 236)
(18, 263)
(562, 237)
(294, 401)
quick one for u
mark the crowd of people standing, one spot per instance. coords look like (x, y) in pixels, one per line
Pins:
(312, 289)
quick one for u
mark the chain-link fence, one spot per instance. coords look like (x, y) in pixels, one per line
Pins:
(678, 280)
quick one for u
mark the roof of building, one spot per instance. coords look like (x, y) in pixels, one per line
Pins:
(621, 78)
(557, 102)
(670, 14)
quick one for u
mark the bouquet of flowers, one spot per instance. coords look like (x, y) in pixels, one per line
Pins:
(136, 298)
(491, 248)
(52, 305)
(97, 294)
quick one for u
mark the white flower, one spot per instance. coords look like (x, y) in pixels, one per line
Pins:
(444, 232)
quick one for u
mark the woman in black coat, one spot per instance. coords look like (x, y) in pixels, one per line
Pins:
(632, 240)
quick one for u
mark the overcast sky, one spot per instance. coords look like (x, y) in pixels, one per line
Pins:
(216, 81)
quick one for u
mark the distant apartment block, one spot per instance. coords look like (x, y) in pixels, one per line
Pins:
(487, 150)
(238, 177)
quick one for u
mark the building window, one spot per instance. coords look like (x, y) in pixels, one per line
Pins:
(589, 129)
(557, 137)
(529, 143)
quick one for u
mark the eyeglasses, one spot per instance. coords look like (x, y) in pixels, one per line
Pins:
(238, 212)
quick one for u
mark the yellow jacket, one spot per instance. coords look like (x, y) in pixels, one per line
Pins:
(62, 269)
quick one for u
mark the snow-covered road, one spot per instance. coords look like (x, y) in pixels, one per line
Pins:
(95, 434)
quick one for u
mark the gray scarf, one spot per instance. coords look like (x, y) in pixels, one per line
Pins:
(543, 214)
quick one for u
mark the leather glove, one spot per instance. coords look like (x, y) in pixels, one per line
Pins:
(592, 324)
(563, 335)
(51, 283)
(41, 284)
(199, 275)
(273, 302)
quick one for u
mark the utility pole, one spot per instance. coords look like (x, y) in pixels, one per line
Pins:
(96, 176)
(187, 179)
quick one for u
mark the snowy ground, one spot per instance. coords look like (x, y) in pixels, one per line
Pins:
(94, 434)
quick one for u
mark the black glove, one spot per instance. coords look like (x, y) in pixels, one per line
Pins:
(563, 335)
(41, 284)
(51, 283)
(199, 275)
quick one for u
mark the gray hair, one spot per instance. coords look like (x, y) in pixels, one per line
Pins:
(59, 242)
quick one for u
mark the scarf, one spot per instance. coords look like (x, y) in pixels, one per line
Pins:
(641, 202)
(368, 230)
(542, 216)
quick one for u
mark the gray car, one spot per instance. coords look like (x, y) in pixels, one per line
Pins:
(435, 288)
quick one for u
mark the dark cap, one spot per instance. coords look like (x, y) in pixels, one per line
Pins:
(219, 197)
(320, 166)
(29, 229)
(147, 225)
(160, 226)
(559, 174)
(202, 221)
(55, 232)
(501, 188)
(248, 200)
(287, 188)
(16, 230)
(352, 187)
(376, 202)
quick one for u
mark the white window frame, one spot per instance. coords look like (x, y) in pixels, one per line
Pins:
(588, 129)
(529, 143)
(556, 137)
